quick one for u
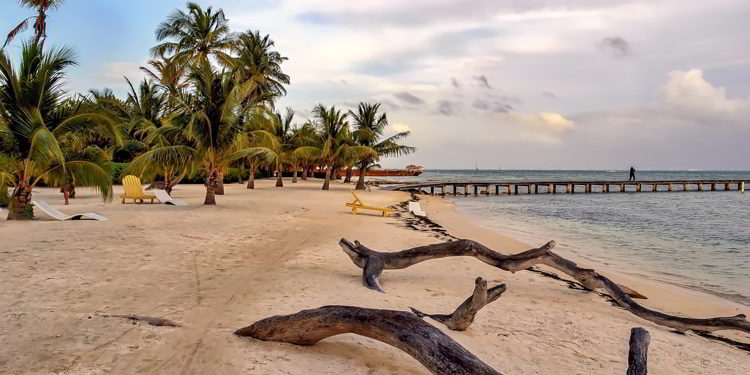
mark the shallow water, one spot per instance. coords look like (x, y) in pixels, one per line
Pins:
(699, 240)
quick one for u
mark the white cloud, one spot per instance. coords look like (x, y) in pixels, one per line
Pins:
(689, 91)
(399, 127)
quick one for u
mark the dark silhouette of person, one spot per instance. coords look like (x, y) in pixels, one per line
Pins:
(632, 174)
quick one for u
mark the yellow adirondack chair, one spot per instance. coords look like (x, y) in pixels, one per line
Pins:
(133, 190)
(357, 204)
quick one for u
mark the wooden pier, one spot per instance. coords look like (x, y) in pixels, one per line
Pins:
(466, 188)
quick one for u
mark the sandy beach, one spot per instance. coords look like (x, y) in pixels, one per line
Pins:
(274, 251)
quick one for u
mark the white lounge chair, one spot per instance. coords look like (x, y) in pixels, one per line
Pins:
(416, 209)
(52, 212)
(164, 198)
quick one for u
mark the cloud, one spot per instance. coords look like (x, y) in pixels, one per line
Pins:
(408, 97)
(482, 81)
(616, 46)
(399, 127)
(688, 91)
(542, 127)
(493, 106)
(548, 94)
(446, 108)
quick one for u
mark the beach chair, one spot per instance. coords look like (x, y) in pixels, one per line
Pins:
(134, 191)
(57, 215)
(416, 209)
(164, 198)
(357, 204)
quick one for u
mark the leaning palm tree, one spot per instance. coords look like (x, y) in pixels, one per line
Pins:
(194, 36)
(40, 20)
(32, 124)
(369, 127)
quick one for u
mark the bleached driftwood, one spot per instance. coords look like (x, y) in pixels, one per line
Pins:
(373, 263)
(427, 344)
(464, 315)
(638, 354)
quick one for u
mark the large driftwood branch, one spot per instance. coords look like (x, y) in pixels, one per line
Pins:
(403, 330)
(638, 354)
(464, 315)
(373, 263)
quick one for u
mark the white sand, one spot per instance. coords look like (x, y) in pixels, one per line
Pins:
(274, 251)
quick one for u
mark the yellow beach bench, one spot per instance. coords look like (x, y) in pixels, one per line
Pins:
(134, 191)
(357, 204)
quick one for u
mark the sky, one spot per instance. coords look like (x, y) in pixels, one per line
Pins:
(517, 84)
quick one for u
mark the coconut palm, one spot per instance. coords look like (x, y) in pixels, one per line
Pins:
(169, 154)
(369, 127)
(40, 20)
(257, 61)
(335, 142)
(194, 36)
(32, 124)
(169, 75)
(212, 122)
(281, 145)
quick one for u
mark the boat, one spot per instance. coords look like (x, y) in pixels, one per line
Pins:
(409, 170)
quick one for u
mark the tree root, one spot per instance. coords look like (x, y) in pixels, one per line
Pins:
(373, 263)
(464, 315)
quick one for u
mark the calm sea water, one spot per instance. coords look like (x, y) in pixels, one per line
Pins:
(700, 240)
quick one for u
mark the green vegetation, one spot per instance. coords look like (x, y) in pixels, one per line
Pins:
(205, 112)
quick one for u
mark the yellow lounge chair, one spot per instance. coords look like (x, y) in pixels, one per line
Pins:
(359, 205)
(134, 191)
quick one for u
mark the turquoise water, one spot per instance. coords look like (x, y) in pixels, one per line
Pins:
(699, 240)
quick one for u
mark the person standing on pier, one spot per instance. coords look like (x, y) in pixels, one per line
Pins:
(632, 174)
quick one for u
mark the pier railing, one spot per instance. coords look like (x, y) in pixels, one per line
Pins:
(570, 187)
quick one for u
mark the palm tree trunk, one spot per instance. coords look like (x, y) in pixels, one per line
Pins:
(211, 184)
(304, 173)
(327, 181)
(251, 180)
(294, 174)
(361, 178)
(348, 178)
(20, 207)
(220, 184)
(279, 181)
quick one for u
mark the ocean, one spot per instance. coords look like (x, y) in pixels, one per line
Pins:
(698, 240)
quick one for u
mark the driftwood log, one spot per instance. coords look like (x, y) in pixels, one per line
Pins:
(427, 344)
(638, 354)
(464, 315)
(150, 320)
(373, 263)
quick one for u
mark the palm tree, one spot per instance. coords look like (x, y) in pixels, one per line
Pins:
(169, 75)
(212, 122)
(32, 122)
(335, 140)
(282, 145)
(257, 62)
(194, 36)
(170, 154)
(369, 127)
(40, 20)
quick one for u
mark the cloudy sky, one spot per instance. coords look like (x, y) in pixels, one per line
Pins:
(539, 84)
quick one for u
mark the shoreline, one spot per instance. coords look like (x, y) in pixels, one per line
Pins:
(273, 251)
(662, 295)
